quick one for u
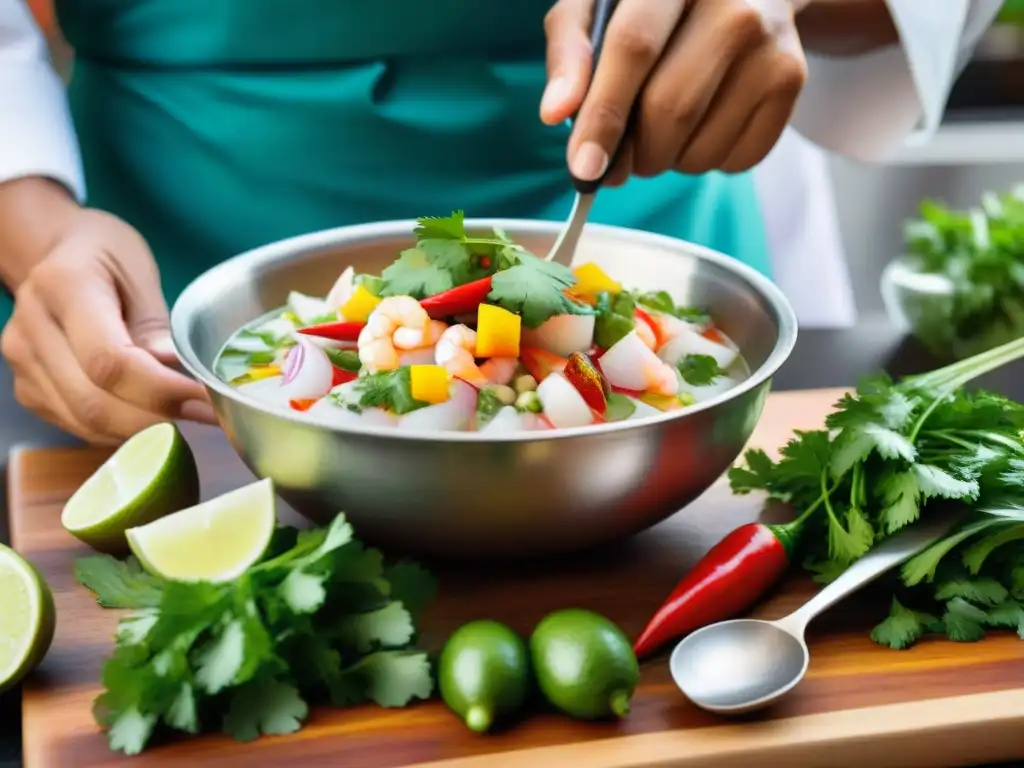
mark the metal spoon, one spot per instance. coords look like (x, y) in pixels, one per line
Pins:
(565, 247)
(738, 666)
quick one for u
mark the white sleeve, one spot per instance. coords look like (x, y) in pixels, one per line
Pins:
(868, 106)
(36, 134)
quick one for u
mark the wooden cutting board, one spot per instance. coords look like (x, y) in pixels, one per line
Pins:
(939, 703)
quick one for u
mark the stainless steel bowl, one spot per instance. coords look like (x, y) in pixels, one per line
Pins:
(471, 496)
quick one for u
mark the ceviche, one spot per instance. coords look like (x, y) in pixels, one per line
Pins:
(466, 332)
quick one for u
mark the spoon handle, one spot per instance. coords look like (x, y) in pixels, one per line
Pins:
(889, 553)
(603, 10)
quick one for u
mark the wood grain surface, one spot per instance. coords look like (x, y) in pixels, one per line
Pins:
(939, 703)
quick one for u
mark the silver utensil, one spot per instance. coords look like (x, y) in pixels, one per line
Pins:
(738, 666)
(565, 247)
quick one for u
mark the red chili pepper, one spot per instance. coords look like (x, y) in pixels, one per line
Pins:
(458, 300)
(647, 320)
(341, 376)
(340, 331)
(583, 374)
(727, 580)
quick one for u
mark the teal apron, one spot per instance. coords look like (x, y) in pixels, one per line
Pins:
(214, 127)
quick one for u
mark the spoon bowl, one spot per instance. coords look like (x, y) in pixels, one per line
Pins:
(738, 666)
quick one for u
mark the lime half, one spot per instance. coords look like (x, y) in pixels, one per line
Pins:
(214, 541)
(150, 476)
(26, 617)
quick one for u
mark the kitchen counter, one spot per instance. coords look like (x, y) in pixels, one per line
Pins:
(821, 359)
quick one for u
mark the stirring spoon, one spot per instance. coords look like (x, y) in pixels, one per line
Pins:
(564, 248)
(738, 666)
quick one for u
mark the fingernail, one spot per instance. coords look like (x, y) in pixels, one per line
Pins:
(198, 410)
(555, 94)
(589, 162)
(161, 346)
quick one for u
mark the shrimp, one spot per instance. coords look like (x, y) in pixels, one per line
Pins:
(398, 322)
(456, 352)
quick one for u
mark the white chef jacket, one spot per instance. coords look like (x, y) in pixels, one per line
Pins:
(863, 107)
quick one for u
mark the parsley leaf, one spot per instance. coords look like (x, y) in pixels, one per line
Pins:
(699, 370)
(535, 289)
(319, 619)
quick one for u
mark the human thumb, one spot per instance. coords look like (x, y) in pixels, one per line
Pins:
(568, 59)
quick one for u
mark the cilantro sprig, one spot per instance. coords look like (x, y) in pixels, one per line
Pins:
(446, 256)
(320, 619)
(981, 252)
(894, 452)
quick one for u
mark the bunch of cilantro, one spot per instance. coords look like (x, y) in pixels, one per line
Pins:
(445, 257)
(981, 253)
(320, 618)
(894, 452)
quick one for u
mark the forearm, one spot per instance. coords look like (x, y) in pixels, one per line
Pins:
(846, 27)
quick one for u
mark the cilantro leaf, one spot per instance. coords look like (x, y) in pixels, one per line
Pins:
(394, 678)
(419, 273)
(441, 228)
(615, 319)
(699, 370)
(661, 301)
(923, 565)
(1009, 615)
(487, 406)
(963, 622)
(130, 731)
(902, 627)
(387, 627)
(118, 583)
(756, 476)
(974, 557)
(412, 586)
(981, 591)
(535, 289)
(264, 707)
(387, 389)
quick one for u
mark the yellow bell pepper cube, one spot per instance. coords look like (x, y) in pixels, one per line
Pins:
(592, 280)
(429, 383)
(667, 402)
(497, 332)
(359, 305)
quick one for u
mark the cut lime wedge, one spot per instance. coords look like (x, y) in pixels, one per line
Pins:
(26, 617)
(214, 541)
(150, 476)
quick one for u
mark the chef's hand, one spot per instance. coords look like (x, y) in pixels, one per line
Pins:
(89, 342)
(715, 80)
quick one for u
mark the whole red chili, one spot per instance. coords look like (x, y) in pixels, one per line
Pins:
(341, 376)
(340, 331)
(458, 300)
(726, 581)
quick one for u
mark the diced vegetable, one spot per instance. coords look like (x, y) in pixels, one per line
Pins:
(342, 288)
(592, 280)
(528, 401)
(616, 316)
(581, 372)
(429, 383)
(302, 405)
(644, 318)
(562, 334)
(665, 402)
(309, 310)
(540, 363)
(256, 373)
(525, 383)
(689, 342)
(458, 300)
(359, 305)
(626, 363)
(454, 414)
(342, 376)
(508, 420)
(497, 332)
(338, 331)
(563, 405)
(307, 373)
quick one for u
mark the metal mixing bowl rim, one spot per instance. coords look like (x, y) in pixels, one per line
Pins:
(199, 289)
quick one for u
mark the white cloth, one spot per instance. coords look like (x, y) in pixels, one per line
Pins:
(863, 107)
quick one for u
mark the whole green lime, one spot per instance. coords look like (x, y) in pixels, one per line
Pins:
(484, 673)
(584, 664)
